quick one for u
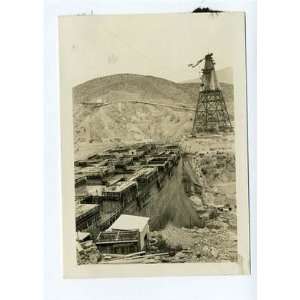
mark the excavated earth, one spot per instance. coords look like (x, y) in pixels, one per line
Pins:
(176, 216)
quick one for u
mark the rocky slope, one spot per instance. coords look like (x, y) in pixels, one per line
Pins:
(125, 121)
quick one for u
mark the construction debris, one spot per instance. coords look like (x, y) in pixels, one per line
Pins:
(87, 253)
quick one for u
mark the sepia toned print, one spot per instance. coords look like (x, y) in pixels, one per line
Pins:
(157, 163)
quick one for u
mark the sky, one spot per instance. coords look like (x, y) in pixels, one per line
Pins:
(157, 45)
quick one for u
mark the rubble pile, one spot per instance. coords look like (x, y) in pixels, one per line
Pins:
(214, 243)
(216, 239)
(87, 253)
(219, 165)
(216, 172)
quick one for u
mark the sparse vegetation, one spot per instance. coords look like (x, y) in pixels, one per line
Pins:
(142, 121)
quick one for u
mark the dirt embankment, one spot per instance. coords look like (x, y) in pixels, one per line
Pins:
(172, 205)
(208, 178)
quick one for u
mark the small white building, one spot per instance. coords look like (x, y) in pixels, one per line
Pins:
(130, 222)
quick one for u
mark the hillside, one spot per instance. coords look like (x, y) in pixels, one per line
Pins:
(129, 87)
(224, 75)
(130, 122)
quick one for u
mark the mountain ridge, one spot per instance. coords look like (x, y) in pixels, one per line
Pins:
(224, 75)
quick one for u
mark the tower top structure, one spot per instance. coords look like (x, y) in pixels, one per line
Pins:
(209, 81)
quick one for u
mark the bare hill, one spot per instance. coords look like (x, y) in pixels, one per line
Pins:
(125, 121)
(225, 75)
(129, 87)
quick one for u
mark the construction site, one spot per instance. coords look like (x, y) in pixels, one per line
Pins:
(156, 198)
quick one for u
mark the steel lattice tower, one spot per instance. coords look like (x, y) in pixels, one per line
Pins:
(211, 112)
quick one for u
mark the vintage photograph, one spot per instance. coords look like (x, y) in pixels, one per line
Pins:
(154, 118)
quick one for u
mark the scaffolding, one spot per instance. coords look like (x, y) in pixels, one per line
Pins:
(211, 112)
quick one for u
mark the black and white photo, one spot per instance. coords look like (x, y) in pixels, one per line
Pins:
(154, 144)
